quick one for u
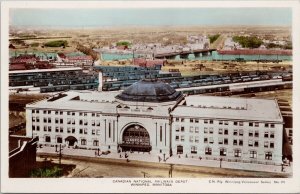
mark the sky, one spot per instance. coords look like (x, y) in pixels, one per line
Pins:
(150, 17)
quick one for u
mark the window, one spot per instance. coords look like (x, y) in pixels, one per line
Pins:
(93, 114)
(237, 153)
(182, 138)
(211, 122)
(250, 124)
(196, 129)
(208, 151)
(45, 128)
(205, 140)
(49, 111)
(193, 150)
(68, 121)
(268, 155)
(220, 131)
(241, 124)
(45, 112)
(61, 129)
(56, 112)
(177, 138)
(220, 122)
(177, 119)
(191, 139)
(223, 152)
(68, 113)
(211, 130)
(272, 125)
(241, 132)
(177, 128)
(80, 131)
(37, 111)
(196, 139)
(205, 130)
(60, 112)
(33, 127)
(56, 120)
(256, 134)
(182, 129)
(235, 132)
(85, 122)
(73, 113)
(256, 124)
(266, 144)
(235, 142)
(271, 144)
(253, 154)
(93, 131)
(95, 143)
(220, 140)
(73, 121)
(45, 120)
(250, 133)
(191, 120)
(47, 139)
(37, 119)
(33, 111)
(196, 120)
(93, 122)
(33, 119)
(98, 132)
(80, 122)
(266, 125)
(38, 128)
(61, 121)
(182, 119)
(225, 141)
(69, 130)
(225, 131)
(73, 129)
(272, 134)
(205, 121)
(97, 123)
(56, 129)
(191, 129)
(225, 122)
(266, 134)
(235, 123)
(83, 142)
(240, 142)
(250, 143)
(59, 140)
(85, 131)
(211, 140)
(160, 132)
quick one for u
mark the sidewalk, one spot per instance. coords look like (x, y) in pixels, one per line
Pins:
(146, 157)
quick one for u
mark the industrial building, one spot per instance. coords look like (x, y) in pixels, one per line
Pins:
(150, 116)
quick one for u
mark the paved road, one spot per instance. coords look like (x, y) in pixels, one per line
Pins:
(112, 165)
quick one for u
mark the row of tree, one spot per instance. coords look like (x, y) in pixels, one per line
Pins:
(248, 41)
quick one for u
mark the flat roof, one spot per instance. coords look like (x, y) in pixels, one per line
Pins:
(45, 70)
(229, 108)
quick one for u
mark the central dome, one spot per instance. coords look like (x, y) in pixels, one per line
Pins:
(149, 91)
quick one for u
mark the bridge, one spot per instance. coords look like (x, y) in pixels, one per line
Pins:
(183, 54)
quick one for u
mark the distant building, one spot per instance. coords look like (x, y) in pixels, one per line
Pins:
(150, 116)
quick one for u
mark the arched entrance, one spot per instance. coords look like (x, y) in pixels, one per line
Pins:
(135, 138)
(71, 140)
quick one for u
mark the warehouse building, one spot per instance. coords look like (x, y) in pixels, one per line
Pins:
(150, 116)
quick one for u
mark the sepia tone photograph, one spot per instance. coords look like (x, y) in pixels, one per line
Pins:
(149, 92)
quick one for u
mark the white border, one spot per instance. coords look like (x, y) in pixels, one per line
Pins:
(85, 185)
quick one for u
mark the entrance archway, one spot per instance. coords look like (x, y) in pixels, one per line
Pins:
(71, 140)
(136, 138)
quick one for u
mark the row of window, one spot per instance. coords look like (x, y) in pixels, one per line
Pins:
(235, 123)
(68, 113)
(223, 152)
(236, 132)
(69, 130)
(69, 121)
(224, 141)
(60, 140)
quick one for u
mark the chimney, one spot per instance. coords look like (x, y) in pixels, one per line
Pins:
(100, 81)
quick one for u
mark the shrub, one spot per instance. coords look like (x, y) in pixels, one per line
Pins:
(57, 43)
(46, 172)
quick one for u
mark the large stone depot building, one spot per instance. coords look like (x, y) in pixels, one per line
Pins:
(150, 116)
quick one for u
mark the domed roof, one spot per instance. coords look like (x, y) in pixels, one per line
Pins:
(149, 91)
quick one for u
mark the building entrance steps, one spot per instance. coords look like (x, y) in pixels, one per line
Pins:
(175, 159)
